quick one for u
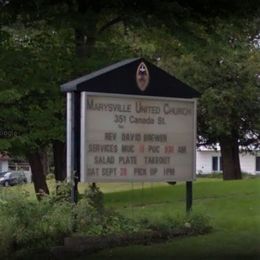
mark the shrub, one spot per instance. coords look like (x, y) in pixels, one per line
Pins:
(198, 222)
(50, 176)
(95, 197)
(91, 217)
(62, 193)
(6, 235)
(27, 223)
(32, 224)
(217, 175)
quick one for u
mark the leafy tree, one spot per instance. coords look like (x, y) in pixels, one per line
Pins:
(51, 45)
(31, 104)
(68, 39)
(213, 46)
(223, 63)
(48, 54)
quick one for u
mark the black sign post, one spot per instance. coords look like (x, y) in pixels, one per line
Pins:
(188, 196)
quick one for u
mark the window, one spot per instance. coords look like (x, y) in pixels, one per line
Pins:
(216, 164)
(257, 163)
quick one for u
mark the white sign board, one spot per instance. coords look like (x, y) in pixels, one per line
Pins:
(130, 138)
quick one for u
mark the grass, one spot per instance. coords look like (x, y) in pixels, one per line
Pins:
(105, 187)
(233, 206)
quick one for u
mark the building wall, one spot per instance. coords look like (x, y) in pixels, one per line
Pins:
(247, 163)
(3, 166)
(24, 167)
(204, 162)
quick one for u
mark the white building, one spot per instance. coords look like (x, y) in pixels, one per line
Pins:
(209, 161)
(4, 164)
(21, 166)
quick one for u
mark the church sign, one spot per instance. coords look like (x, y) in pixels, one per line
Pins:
(136, 138)
(130, 121)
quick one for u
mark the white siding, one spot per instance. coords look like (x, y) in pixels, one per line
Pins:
(247, 163)
(28, 176)
(204, 162)
(3, 166)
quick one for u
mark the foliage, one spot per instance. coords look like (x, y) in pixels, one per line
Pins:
(30, 224)
(30, 99)
(27, 224)
(95, 197)
(204, 43)
(39, 45)
(93, 219)
(219, 175)
(50, 176)
(219, 56)
(62, 192)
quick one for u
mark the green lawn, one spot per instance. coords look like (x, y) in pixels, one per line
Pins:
(105, 187)
(233, 206)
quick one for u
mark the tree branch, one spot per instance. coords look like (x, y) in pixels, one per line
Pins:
(110, 23)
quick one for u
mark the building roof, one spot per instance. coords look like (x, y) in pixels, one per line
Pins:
(120, 78)
(4, 157)
(216, 148)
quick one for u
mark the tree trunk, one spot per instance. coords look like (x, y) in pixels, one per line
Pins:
(230, 158)
(59, 157)
(85, 43)
(38, 176)
(85, 32)
(44, 160)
